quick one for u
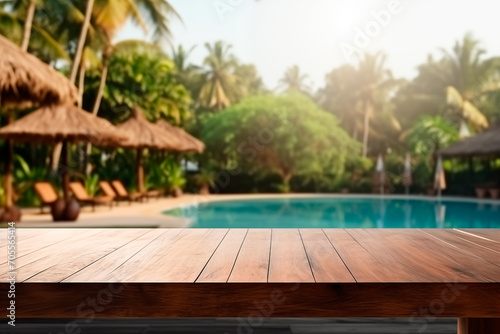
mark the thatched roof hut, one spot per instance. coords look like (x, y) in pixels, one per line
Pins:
(189, 143)
(25, 80)
(59, 123)
(63, 123)
(144, 134)
(483, 144)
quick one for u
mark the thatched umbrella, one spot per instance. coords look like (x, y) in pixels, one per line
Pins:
(26, 81)
(407, 177)
(486, 143)
(189, 143)
(143, 134)
(439, 177)
(63, 123)
(380, 173)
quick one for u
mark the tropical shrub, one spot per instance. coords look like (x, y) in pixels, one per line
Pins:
(287, 135)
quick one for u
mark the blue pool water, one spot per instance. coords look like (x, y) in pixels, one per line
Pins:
(345, 212)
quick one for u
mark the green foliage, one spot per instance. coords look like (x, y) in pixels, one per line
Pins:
(205, 177)
(141, 75)
(175, 177)
(165, 174)
(24, 178)
(429, 134)
(288, 135)
(91, 183)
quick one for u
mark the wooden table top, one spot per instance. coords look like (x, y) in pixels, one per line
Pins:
(254, 256)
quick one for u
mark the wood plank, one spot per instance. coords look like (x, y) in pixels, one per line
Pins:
(249, 301)
(326, 264)
(417, 257)
(102, 269)
(288, 260)
(252, 263)
(451, 238)
(221, 264)
(492, 236)
(363, 266)
(62, 260)
(478, 326)
(147, 254)
(49, 245)
(23, 234)
(27, 246)
(180, 261)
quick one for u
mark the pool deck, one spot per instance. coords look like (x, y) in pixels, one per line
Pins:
(245, 272)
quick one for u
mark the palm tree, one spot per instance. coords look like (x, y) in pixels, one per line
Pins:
(340, 97)
(81, 42)
(187, 74)
(112, 15)
(469, 78)
(18, 23)
(293, 80)
(30, 14)
(221, 84)
(374, 81)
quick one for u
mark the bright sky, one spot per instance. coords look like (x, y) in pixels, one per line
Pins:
(276, 34)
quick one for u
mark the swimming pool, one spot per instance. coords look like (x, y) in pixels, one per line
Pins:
(342, 212)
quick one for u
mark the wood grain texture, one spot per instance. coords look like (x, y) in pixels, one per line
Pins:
(31, 240)
(490, 234)
(363, 266)
(252, 263)
(416, 257)
(72, 256)
(326, 264)
(483, 239)
(478, 326)
(256, 256)
(447, 236)
(221, 263)
(70, 300)
(288, 260)
(180, 260)
(103, 270)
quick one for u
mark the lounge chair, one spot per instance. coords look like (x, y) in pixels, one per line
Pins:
(83, 197)
(123, 192)
(108, 190)
(47, 194)
(153, 193)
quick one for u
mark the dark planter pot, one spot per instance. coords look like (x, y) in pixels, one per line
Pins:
(177, 192)
(481, 192)
(12, 214)
(58, 210)
(205, 189)
(72, 210)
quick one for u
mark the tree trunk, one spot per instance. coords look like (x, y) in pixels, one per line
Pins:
(56, 155)
(81, 41)
(286, 182)
(104, 75)
(97, 104)
(81, 85)
(8, 181)
(140, 171)
(30, 14)
(81, 90)
(366, 130)
(64, 170)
